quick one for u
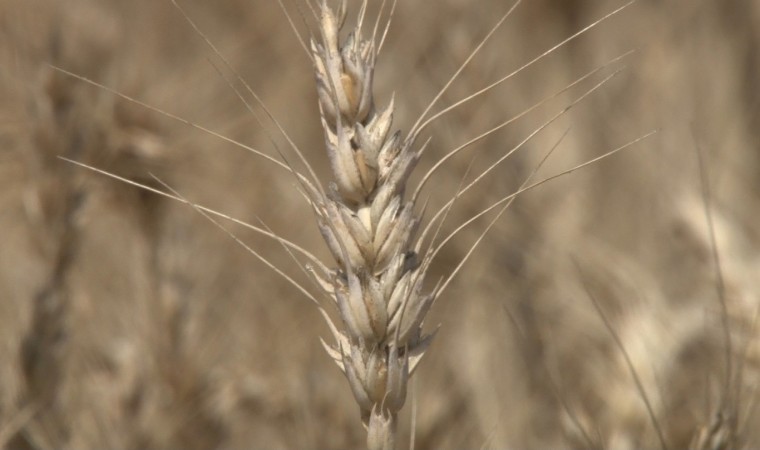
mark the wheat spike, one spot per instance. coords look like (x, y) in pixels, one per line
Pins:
(370, 229)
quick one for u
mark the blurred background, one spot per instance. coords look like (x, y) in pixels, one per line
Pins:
(593, 314)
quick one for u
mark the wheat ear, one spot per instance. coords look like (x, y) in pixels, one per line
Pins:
(370, 230)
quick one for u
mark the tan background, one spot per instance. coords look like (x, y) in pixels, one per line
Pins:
(129, 321)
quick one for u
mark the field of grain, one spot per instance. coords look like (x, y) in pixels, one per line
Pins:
(613, 307)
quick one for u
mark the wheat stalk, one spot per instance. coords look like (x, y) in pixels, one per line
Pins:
(370, 229)
(377, 277)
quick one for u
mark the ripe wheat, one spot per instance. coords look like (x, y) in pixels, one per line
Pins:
(371, 229)
(376, 297)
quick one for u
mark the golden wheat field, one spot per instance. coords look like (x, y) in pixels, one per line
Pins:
(612, 307)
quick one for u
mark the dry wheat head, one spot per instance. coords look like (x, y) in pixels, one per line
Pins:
(369, 228)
